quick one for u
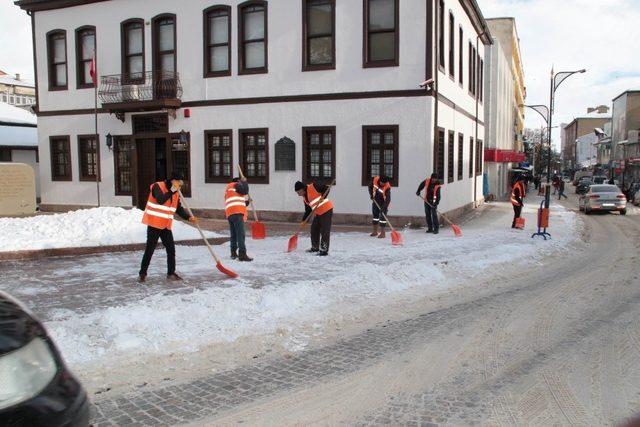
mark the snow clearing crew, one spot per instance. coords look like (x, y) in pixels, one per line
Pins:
(312, 194)
(235, 209)
(380, 193)
(162, 204)
(517, 194)
(431, 199)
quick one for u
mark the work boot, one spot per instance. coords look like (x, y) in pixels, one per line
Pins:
(374, 233)
(174, 277)
(429, 230)
(323, 253)
(382, 234)
(312, 250)
(243, 257)
(142, 277)
(234, 254)
(435, 231)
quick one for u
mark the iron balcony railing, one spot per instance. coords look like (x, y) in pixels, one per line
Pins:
(146, 86)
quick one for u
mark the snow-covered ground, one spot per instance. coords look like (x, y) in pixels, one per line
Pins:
(87, 227)
(280, 292)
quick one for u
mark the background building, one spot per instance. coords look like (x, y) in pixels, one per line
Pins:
(580, 126)
(185, 86)
(16, 91)
(504, 114)
(19, 138)
(625, 129)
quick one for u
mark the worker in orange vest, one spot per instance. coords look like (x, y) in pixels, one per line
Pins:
(517, 194)
(431, 199)
(380, 192)
(162, 204)
(235, 209)
(321, 225)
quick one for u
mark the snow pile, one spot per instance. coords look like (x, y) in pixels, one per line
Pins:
(282, 292)
(82, 228)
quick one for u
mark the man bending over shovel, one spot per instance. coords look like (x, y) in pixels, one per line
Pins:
(162, 204)
(312, 195)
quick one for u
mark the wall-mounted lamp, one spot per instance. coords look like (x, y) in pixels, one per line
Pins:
(109, 141)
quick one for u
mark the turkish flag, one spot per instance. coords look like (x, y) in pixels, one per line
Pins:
(92, 71)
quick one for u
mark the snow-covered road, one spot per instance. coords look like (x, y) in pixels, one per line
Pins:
(277, 293)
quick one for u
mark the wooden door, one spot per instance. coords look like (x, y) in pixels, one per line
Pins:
(145, 170)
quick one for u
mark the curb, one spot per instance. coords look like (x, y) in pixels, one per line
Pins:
(91, 250)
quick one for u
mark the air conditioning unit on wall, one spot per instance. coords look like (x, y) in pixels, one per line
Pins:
(634, 136)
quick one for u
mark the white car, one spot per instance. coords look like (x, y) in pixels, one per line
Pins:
(603, 197)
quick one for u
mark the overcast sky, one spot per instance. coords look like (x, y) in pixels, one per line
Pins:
(599, 35)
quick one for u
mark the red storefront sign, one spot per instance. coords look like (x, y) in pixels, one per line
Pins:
(503, 156)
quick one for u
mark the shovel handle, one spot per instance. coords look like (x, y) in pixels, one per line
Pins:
(253, 208)
(383, 215)
(433, 207)
(206, 242)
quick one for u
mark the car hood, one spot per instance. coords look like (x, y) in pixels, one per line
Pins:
(17, 325)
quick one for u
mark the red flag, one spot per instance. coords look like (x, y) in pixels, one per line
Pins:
(92, 71)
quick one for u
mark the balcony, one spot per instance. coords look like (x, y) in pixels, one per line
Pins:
(148, 91)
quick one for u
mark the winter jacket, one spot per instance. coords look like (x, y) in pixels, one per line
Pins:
(430, 190)
(320, 188)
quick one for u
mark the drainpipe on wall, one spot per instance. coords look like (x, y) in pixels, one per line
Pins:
(436, 88)
(475, 177)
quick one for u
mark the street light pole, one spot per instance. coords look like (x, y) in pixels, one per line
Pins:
(556, 81)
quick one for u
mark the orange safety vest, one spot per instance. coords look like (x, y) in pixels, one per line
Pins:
(435, 190)
(383, 189)
(157, 215)
(522, 189)
(519, 186)
(315, 199)
(234, 202)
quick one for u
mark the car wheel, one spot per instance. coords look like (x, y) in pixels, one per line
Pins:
(623, 211)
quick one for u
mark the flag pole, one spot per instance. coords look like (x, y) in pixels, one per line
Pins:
(94, 78)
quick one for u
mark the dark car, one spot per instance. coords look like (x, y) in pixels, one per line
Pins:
(583, 185)
(36, 388)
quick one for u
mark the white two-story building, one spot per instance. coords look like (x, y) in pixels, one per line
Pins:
(288, 89)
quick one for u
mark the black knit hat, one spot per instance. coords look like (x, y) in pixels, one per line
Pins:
(177, 176)
(299, 186)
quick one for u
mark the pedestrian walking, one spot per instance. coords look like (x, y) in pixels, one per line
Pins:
(536, 182)
(380, 193)
(556, 183)
(235, 208)
(162, 204)
(312, 195)
(561, 190)
(431, 198)
(517, 200)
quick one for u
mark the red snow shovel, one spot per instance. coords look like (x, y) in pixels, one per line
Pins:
(396, 238)
(222, 268)
(293, 240)
(455, 228)
(258, 230)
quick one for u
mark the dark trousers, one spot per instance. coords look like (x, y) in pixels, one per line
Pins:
(378, 217)
(152, 240)
(236, 230)
(321, 231)
(431, 212)
(517, 210)
(561, 194)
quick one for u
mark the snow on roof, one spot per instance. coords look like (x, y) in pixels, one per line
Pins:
(11, 114)
(595, 115)
(18, 136)
(12, 81)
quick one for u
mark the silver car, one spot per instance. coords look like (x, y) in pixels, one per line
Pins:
(603, 197)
